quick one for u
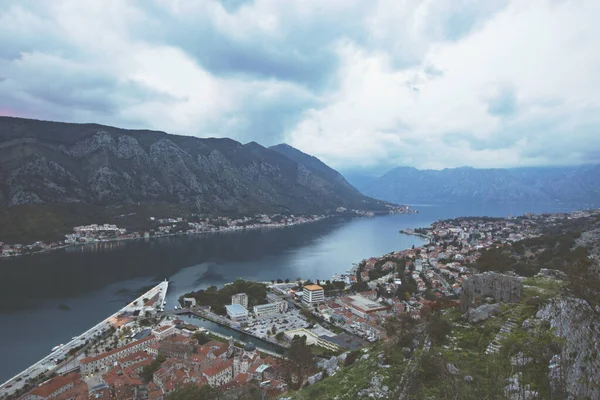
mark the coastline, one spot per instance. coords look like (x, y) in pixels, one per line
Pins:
(191, 232)
(122, 239)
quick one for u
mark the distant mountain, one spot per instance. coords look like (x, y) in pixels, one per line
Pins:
(559, 185)
(53, 163)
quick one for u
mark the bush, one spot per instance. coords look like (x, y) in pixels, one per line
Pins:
(351, 358)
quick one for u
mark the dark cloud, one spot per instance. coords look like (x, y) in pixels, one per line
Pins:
(304, 52)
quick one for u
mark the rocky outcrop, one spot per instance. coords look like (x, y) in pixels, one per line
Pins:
(577, 366)
(376, 389)
(48, 162)
(482, 313)
(503, 288)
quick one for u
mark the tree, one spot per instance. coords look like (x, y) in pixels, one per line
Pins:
(287, 280)
(280, 280)
(149, 370)
(201, 337)
(299, 364)
(280, 336)
(438, 328)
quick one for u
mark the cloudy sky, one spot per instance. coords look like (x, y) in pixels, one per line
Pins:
(359, 83)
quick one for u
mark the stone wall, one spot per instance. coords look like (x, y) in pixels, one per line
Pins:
(503, 288)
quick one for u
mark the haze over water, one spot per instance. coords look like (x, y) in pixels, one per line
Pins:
(94, 281)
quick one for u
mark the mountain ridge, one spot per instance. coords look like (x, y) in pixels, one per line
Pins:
(553, 184)
(57, 163)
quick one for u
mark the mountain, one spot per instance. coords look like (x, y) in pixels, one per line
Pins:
(559, 185)
(52, 163)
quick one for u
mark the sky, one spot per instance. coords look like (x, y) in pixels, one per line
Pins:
(364, 85)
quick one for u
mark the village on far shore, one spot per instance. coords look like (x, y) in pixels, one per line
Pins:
(169, 226)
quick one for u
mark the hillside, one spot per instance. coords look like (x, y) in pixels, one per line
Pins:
(58, 171)
(541, 345)
(558, 185)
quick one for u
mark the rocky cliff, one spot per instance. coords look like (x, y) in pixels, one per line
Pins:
(577, 366)
(58, 163)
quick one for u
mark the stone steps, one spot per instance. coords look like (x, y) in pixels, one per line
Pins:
(494, 346)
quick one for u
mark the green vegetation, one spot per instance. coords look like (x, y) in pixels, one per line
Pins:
(201, 337)
(217, 299)
(50, 222)
(299, 364)
(149, 370)
(346, 383)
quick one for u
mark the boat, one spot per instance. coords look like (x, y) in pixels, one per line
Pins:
(57, 347)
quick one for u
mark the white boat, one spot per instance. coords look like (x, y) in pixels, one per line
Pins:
(57, 347)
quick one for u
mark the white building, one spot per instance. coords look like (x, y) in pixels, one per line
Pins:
(270, 308)
(90, 364)
(241, 299)
(313, 294)
(164, 331)
(236, 312)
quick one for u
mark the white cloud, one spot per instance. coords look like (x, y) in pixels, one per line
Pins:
(436, 83)
(546, 52)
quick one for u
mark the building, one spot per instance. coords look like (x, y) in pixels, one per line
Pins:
(53, 387)
(177, 346)
(237, 312)
(270, 308)
(241, 299)
(164, 331)
(362, 306)
(313, 294)
(219, 373)
(92, 364)
(312, 339)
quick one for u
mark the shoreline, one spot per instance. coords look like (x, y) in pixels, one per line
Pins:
(220, 230)
(122, 239)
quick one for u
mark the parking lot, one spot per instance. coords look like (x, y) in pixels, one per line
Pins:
(282, 322)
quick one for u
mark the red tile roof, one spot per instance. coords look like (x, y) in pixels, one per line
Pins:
(217, 368)
(54, 384)
(115, 351)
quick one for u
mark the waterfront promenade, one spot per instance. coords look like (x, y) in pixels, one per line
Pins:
(53, 361)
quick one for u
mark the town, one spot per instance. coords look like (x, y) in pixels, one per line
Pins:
(146, 352)
(168, 226)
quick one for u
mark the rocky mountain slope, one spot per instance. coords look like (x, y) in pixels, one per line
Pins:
(62, 163)
(559, 185)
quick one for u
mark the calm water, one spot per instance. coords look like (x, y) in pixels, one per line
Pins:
(95, 281)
